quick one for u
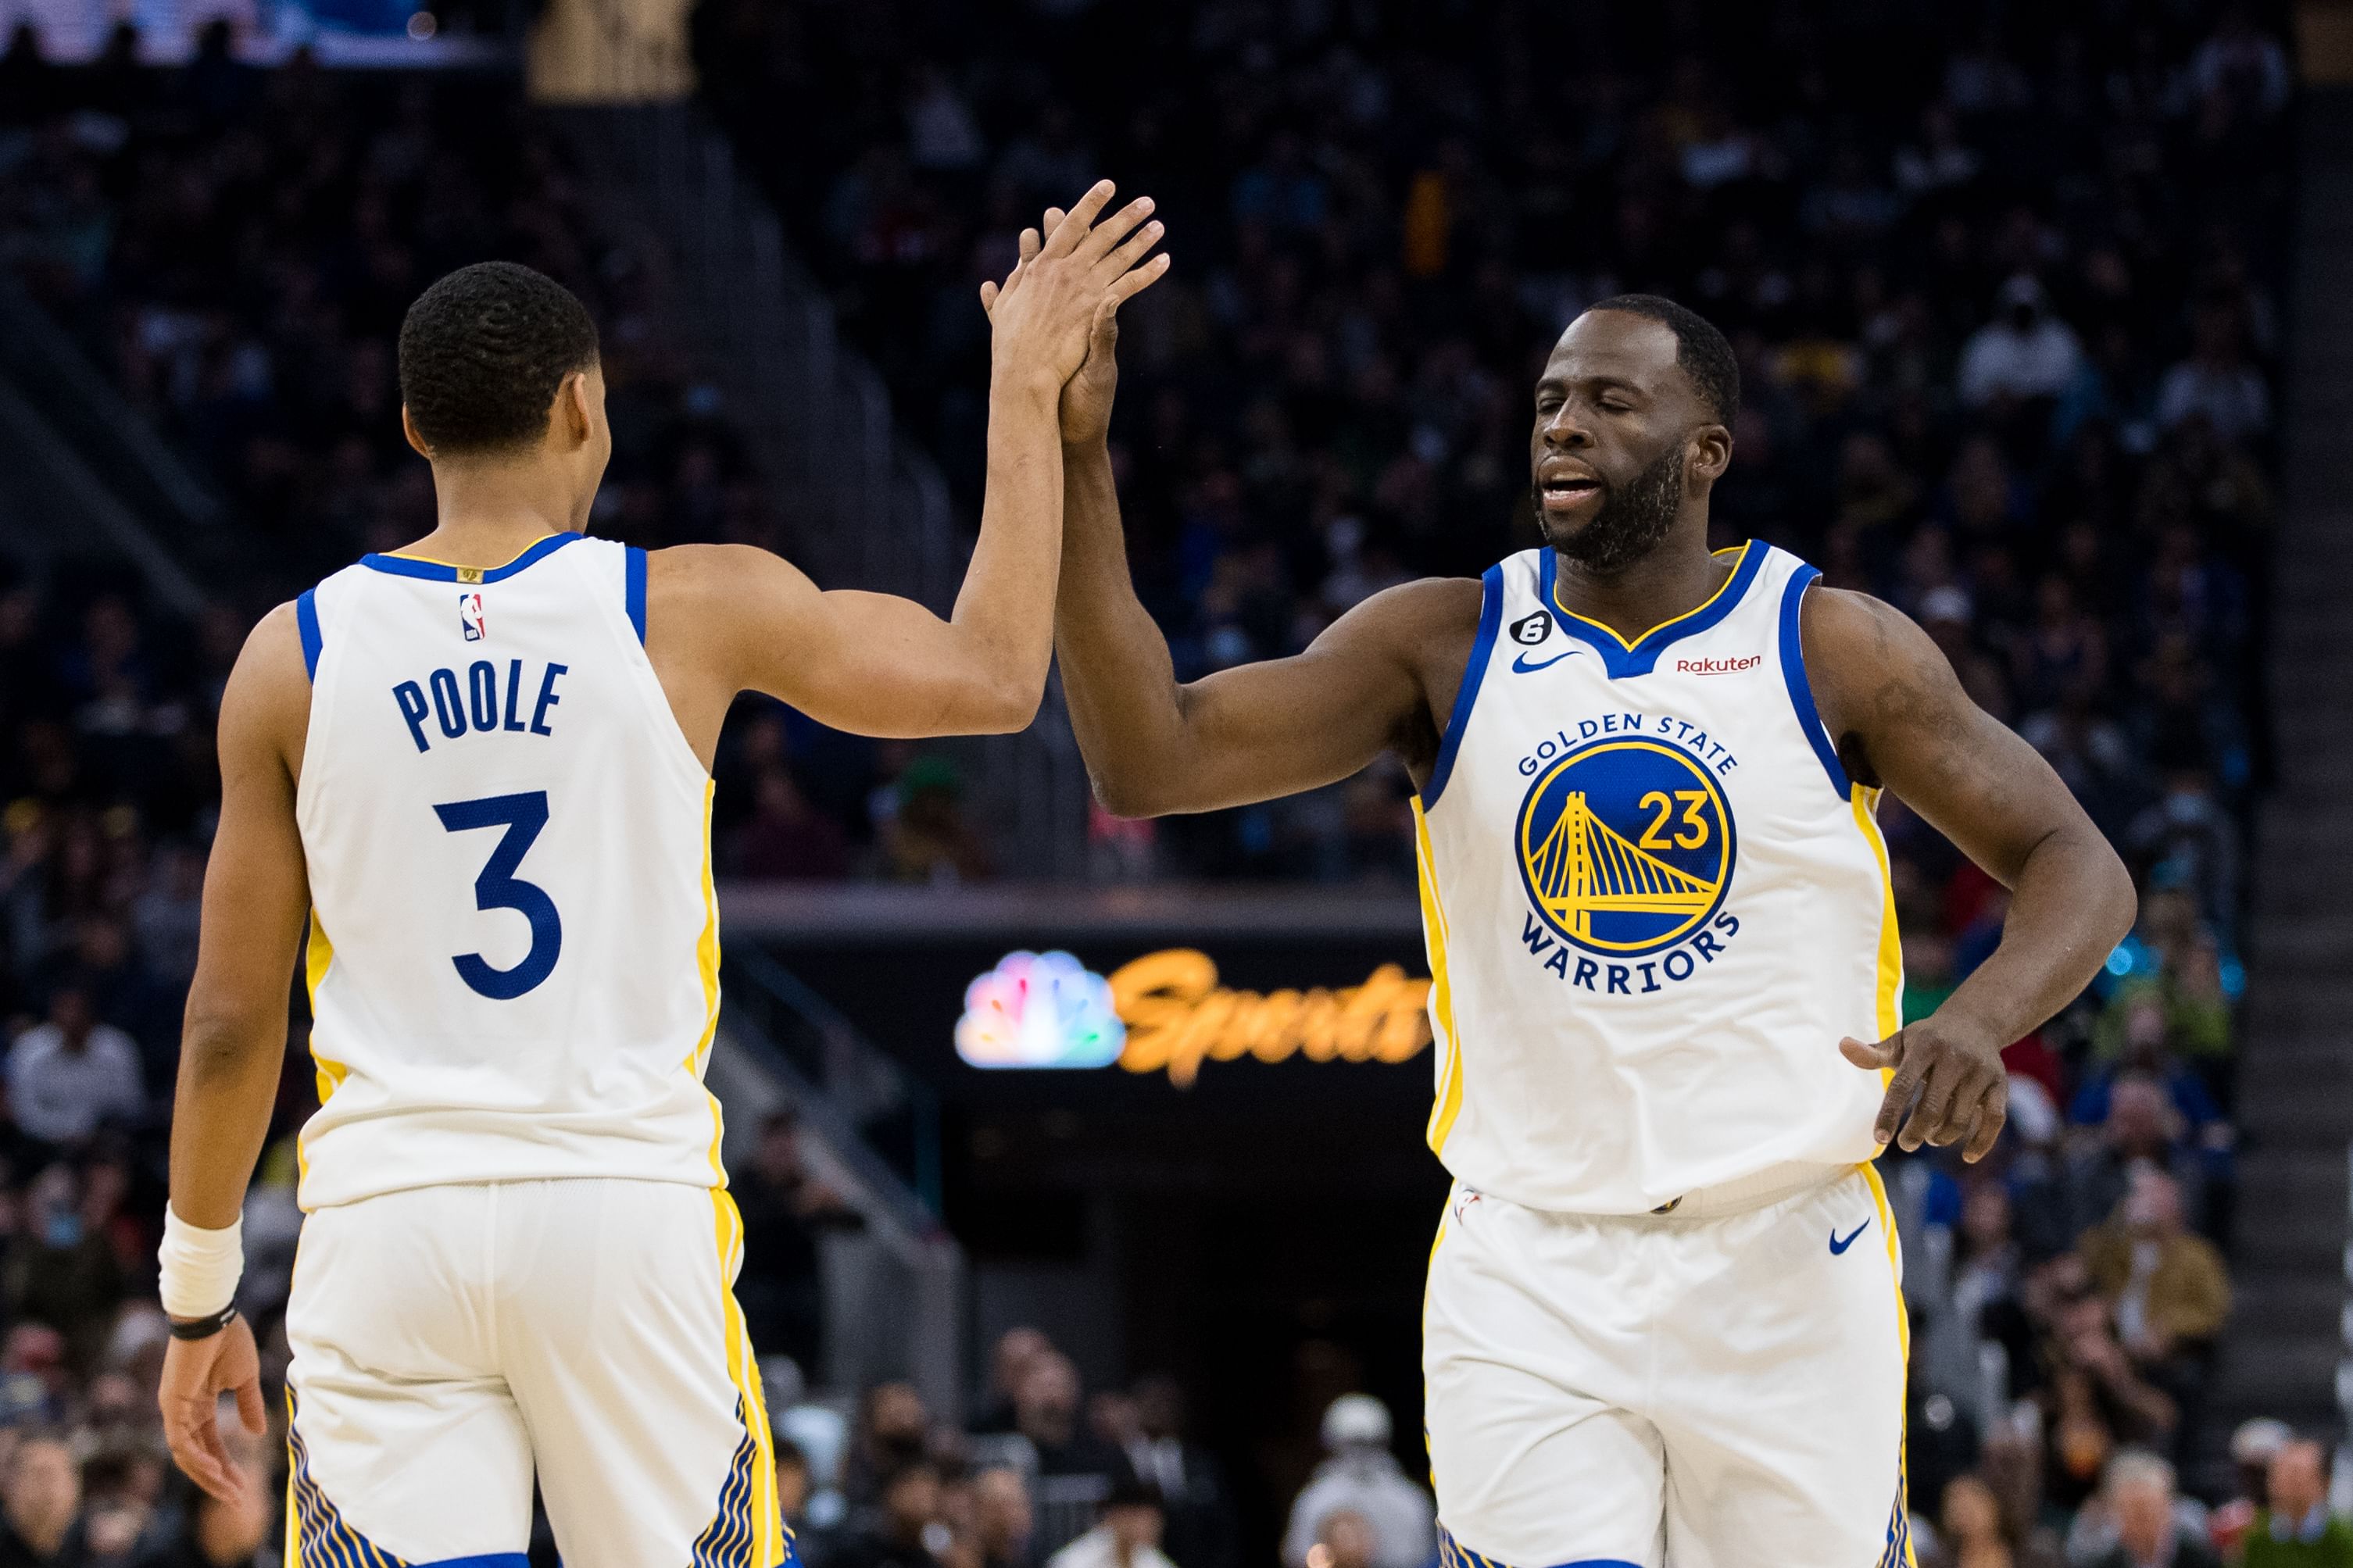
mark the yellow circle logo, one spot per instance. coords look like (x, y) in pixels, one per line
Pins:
(1625, 846)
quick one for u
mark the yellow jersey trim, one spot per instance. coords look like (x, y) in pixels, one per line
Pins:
(1441, 991)
(318, 957)
(462, 566)
(1740, 556)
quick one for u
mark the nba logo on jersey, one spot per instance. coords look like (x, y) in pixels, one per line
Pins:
(469, 616)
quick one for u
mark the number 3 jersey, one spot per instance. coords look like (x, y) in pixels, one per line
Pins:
(1653, 900)
(513, 952)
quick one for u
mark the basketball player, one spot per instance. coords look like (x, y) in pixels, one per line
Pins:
(1664, 1320)
(479, 770)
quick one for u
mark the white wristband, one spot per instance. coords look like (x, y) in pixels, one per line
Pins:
(199, 1267)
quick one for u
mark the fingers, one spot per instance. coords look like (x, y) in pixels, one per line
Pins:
(251, 1412)
(1054, 217)
(1075, 226)
(1993, 1111)
(1137, 280)
(1097, 243)
(989, 292)
(194, 1435)
(1129, 253)
(1873, 1058)
(1927, 1122)
(1032, 243)
(1911, 1066)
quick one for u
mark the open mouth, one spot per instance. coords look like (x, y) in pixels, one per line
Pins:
(1567, 489)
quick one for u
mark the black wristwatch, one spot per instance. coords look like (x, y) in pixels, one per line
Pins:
(203, 1327)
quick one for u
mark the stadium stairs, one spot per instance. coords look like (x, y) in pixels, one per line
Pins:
(865, 506)
(87, 483)
(2287, 1337)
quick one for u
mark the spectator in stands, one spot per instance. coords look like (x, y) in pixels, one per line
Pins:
(2094, 1400)
(2024, 353)
(2167, 1288)
(40, 1505)
(2141, 1130)
(2295, 1528)
(784, 1212)
(73, 1074)
(1360, 1475)
(899, 1531)
(2139, 1517)
(1128, 1535)
(1004, 1524)
(1974, 1530)
(785, 838)
(62, 1271)
(1017, 1350)
(2253, 1446)
(1201, 1528)
(925, 834)
(893, 1431)
(1046, 1412)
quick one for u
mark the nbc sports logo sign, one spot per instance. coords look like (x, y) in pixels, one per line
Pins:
(1040, 1010)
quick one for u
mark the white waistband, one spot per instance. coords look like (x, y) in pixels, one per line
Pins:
(1770, 1185)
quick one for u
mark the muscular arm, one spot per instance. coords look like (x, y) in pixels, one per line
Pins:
(257, 899)
(726, 618)
(232, 1045)
(1248, 733)
(1901, 720)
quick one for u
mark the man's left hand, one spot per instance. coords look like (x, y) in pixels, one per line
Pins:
(1954, 1073)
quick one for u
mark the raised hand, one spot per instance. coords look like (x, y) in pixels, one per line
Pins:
(1069, 284)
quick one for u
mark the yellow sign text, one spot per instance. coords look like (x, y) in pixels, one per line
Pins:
(1179, 1016)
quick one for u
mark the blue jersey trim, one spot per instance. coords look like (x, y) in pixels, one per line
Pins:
(1483, 648)
(634, 594)
(1622, 658)
(442, 571)
(1802, 691)
(483, 1559)
(1452, 1553)
(306, 619)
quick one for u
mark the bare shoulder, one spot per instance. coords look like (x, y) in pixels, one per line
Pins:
(1864, 655)
(1428, 617)
(266, 706)
(715, 575)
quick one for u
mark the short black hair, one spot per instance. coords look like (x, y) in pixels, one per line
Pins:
(1703, 352)
(482, 352)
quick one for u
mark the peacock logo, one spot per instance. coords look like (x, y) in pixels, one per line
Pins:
(1626, 845)
(1040, 1010)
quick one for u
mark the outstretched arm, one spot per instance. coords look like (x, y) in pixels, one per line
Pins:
(256, 898)
(1900, 718)
(1153, 746)
(878, 665)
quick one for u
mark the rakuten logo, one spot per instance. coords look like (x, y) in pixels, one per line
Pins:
(1717, 666)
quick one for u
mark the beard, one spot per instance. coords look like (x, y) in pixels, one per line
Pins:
(1629, 523)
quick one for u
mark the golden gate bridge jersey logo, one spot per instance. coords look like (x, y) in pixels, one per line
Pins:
(1626, 845)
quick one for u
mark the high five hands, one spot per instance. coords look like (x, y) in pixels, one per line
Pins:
(1066, 258)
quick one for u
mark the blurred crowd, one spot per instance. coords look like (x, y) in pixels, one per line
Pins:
(2003, 282)
(2004, 285)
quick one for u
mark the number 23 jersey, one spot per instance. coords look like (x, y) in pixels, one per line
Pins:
(513, 950)
(1653, 901)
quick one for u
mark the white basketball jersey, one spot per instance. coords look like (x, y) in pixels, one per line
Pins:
(1653, 900)
(513, 959)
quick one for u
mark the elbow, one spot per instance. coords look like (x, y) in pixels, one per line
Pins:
(1005, 706)
(2120, 901)
(1127, 795)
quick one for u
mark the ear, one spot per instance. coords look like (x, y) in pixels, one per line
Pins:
(1710, 455)
(572, 408)
(409, 428)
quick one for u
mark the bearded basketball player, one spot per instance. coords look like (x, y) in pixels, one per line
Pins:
(1664, 1322)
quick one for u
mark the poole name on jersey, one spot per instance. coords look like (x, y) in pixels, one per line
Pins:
(1626, 845)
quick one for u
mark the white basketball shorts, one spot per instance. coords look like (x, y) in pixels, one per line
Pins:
(449, 1341)
(1719, 1386)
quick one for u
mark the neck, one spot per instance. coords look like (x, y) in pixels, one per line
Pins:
(1673, 580)
(488, 512)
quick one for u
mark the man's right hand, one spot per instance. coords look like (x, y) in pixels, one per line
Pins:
(1045, 316)
(197, 1373)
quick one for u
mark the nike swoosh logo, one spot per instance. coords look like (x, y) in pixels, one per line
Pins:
(1521, 666)
(1838, 1246)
